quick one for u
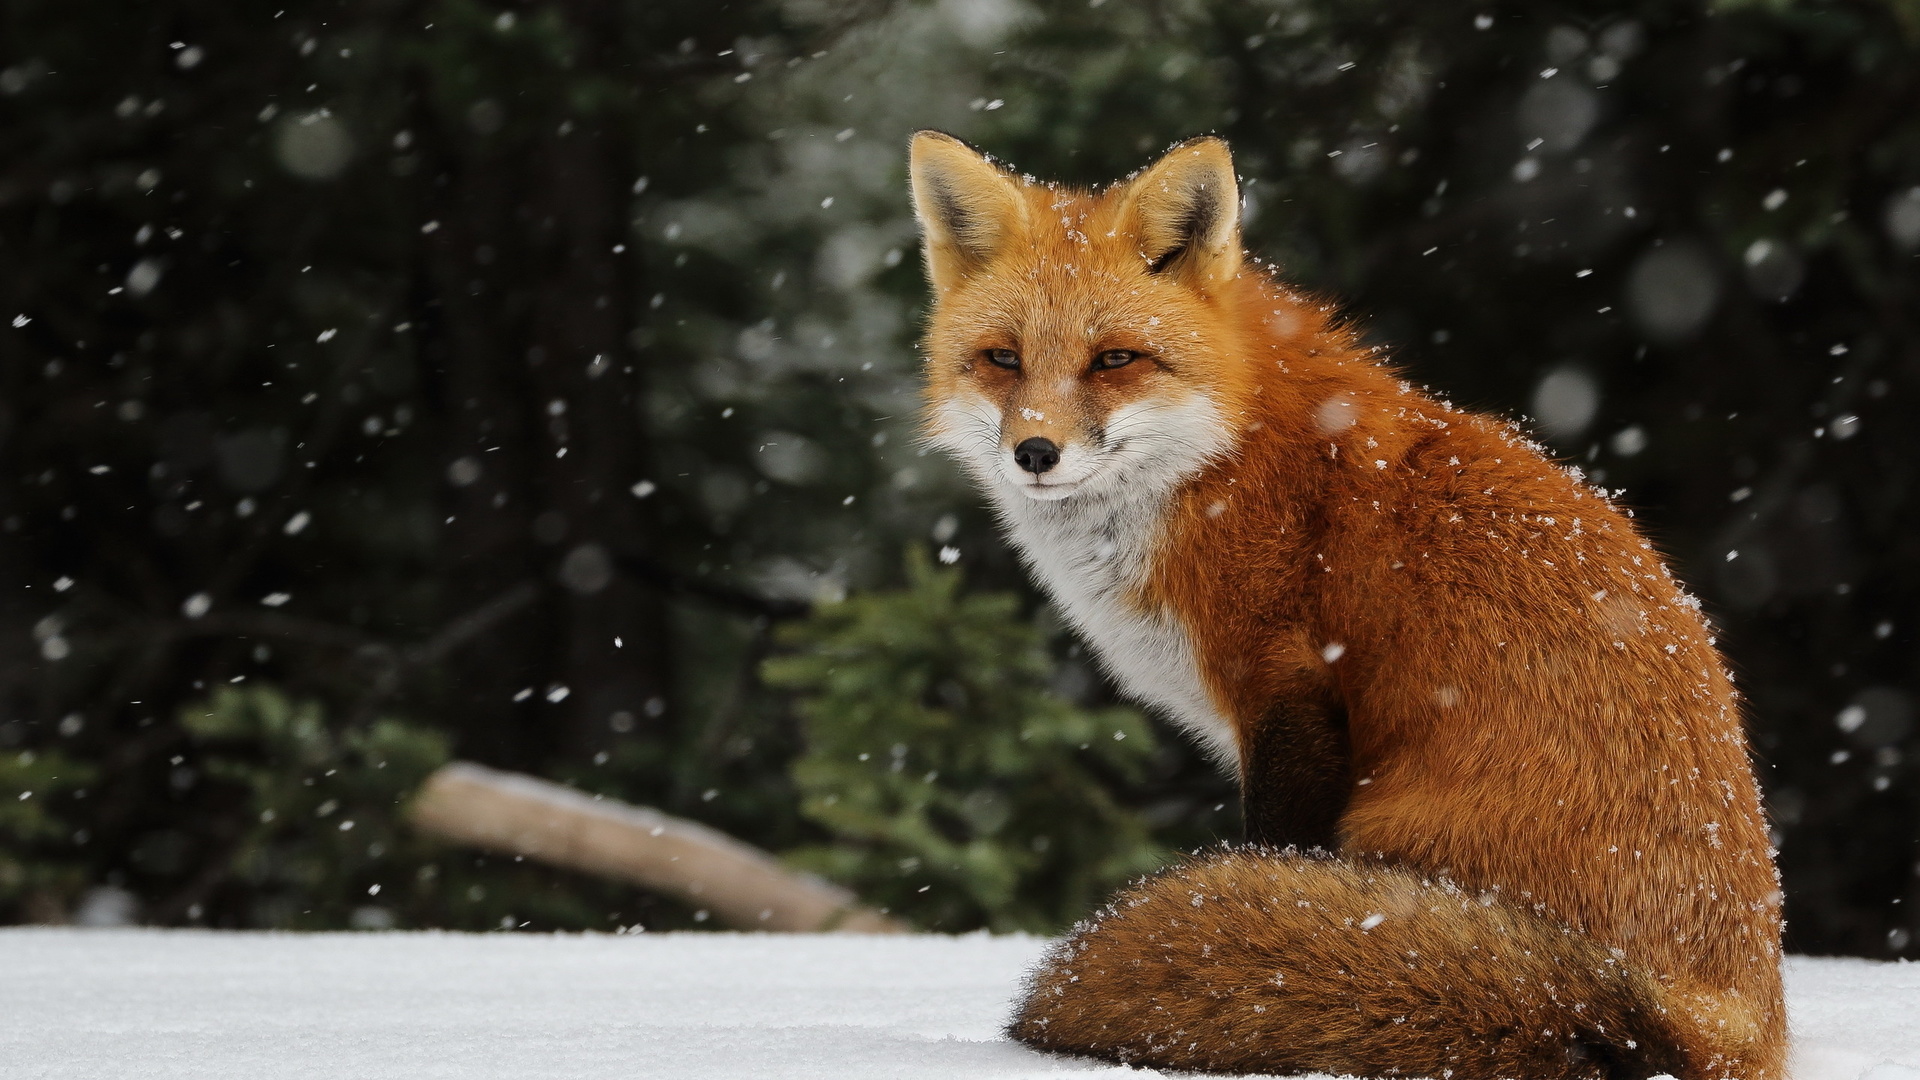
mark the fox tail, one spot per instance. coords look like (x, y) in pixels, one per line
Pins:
(1257, 960)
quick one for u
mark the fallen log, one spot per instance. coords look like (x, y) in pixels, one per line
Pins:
(743, 886)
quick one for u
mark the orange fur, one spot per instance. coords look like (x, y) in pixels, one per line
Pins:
(1421, 645)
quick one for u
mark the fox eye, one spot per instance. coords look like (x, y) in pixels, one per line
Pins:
(1005, 358)
(1114, 358)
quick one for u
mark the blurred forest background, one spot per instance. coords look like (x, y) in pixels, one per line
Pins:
(534, 382)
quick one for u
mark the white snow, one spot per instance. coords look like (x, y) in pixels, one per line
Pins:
(156, 1004)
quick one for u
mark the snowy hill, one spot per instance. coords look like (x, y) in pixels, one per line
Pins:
(154, 1004)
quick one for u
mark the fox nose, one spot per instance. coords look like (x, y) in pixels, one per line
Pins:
(1036, 455)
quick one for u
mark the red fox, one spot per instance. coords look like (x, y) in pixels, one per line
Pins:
(1502, 820)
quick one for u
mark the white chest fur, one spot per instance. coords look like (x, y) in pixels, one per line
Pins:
(1091, 554)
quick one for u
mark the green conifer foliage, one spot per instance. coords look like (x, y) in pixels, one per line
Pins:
(324, 838)
(323, 843)
(960, 790)
(36, 864)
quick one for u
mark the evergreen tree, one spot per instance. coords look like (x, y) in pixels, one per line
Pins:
(957, 787)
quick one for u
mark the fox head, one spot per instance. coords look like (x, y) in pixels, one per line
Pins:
(1078, 346)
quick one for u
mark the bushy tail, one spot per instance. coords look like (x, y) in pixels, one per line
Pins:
(1263, 961)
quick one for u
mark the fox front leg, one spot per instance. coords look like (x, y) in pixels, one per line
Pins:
(1296, 775)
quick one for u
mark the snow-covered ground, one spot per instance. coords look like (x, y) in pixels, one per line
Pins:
(153, 1004)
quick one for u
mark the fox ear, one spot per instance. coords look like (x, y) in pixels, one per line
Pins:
(968, 207)
(1186, 209)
